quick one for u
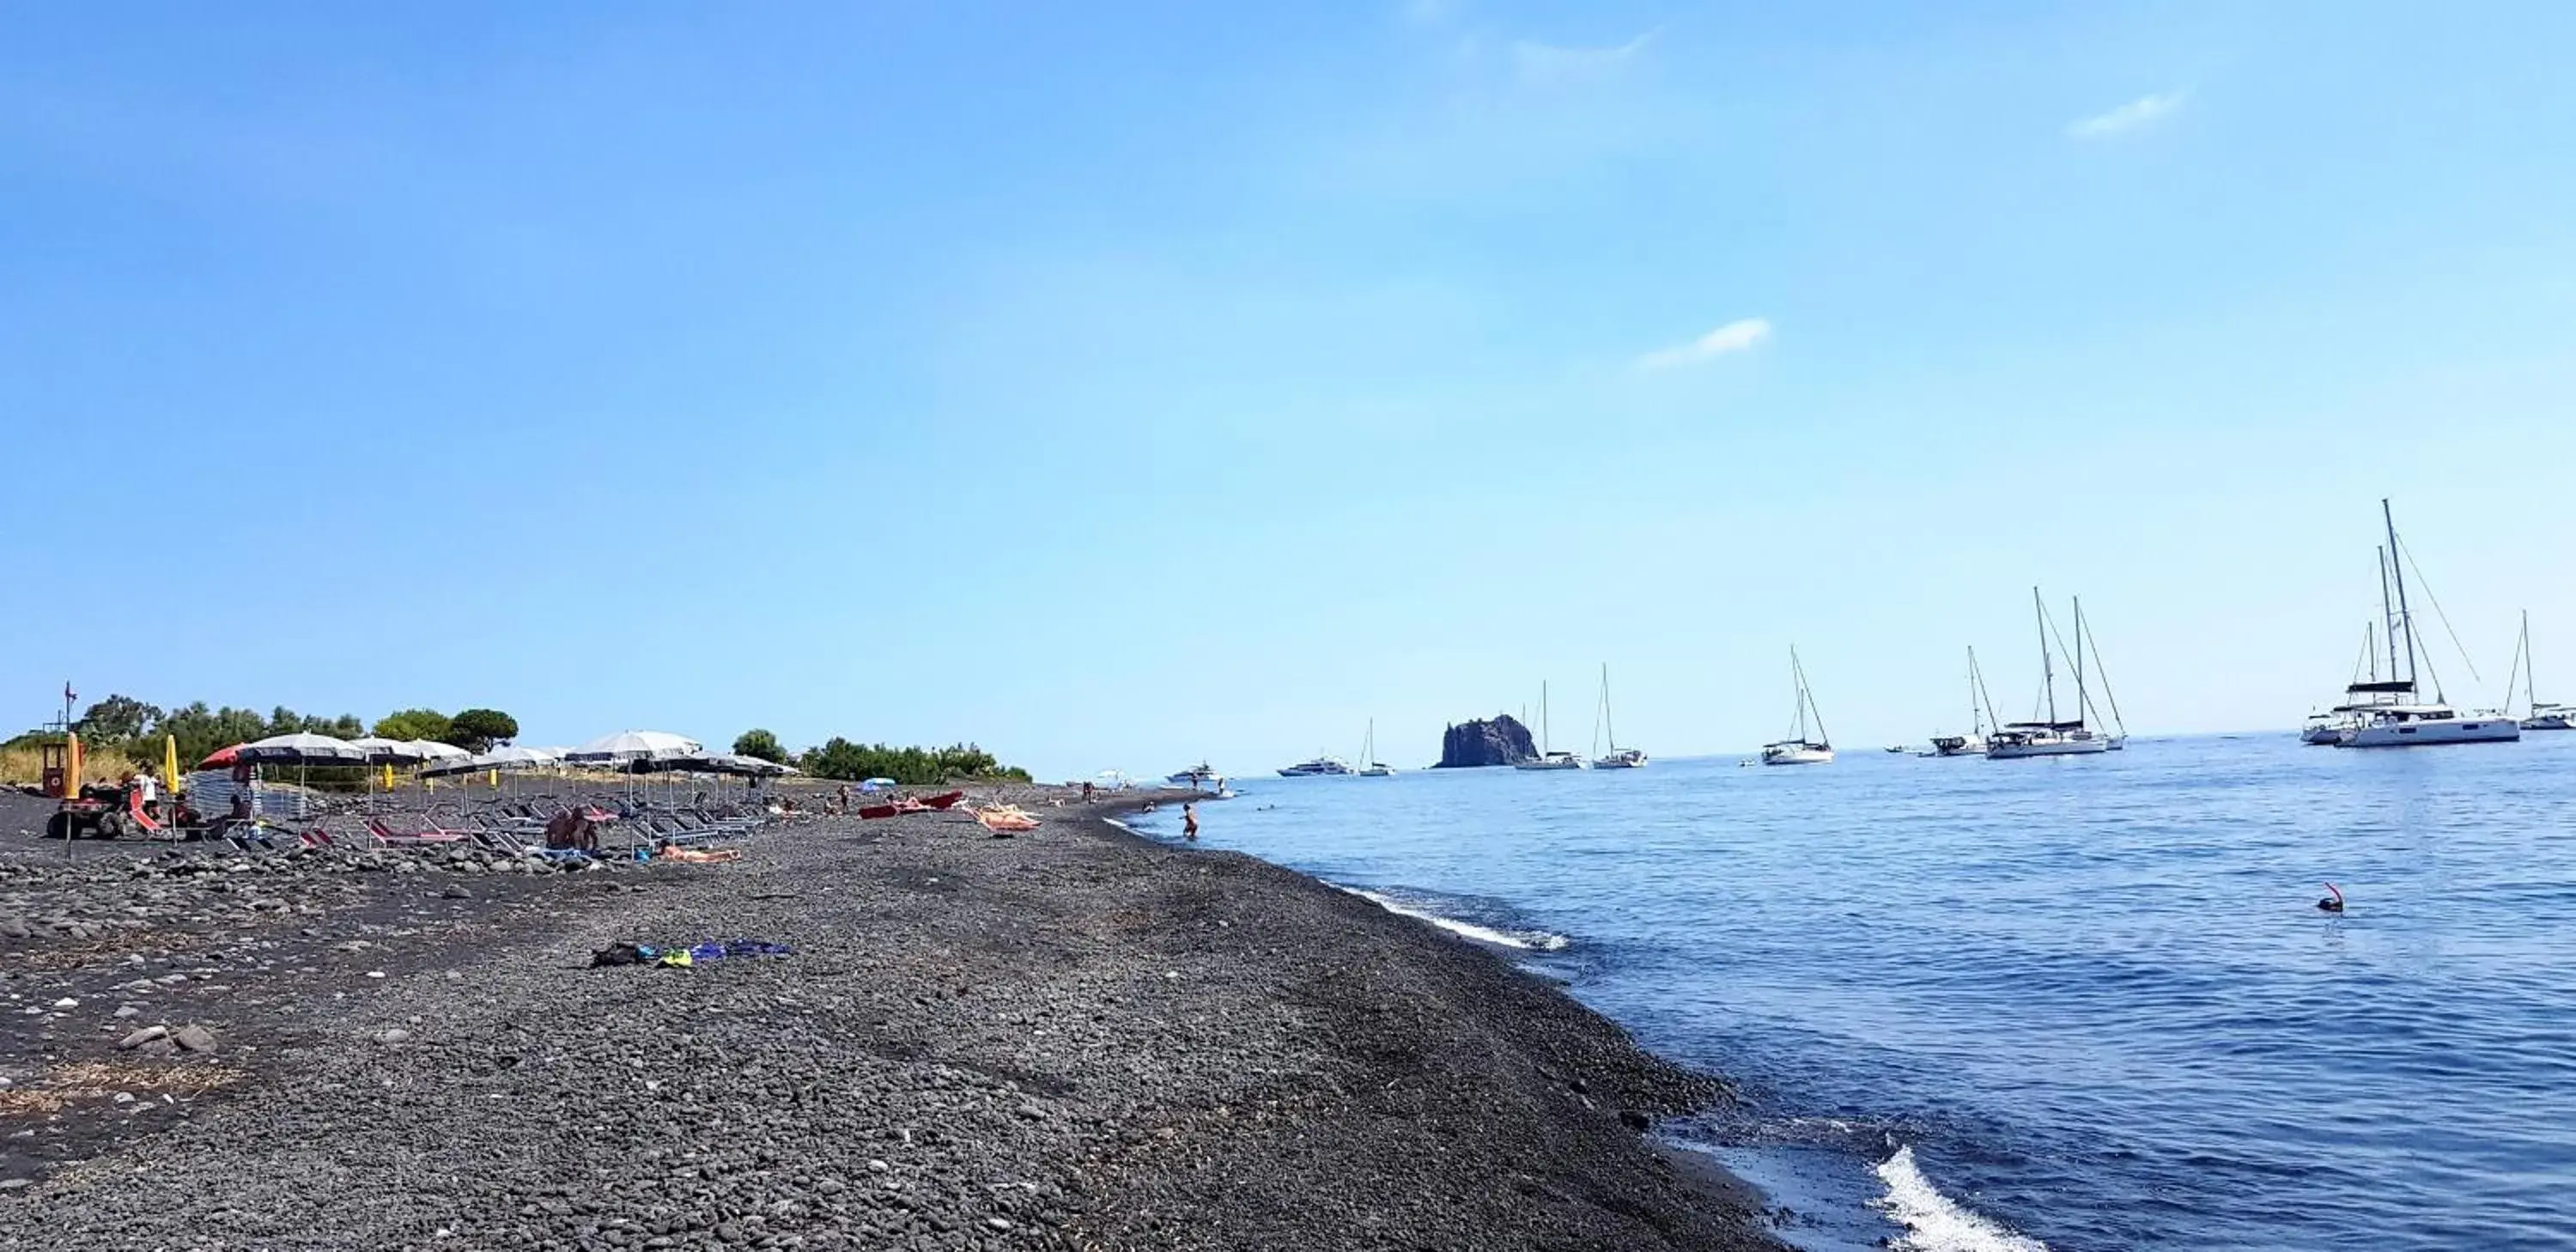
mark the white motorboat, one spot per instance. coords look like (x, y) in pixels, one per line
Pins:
(1321, 765)
(1799, 748)
(2537, 713)
(1192, 776)
(1370, 766)
(2052, 735)
(1546, 759)
(2388, 718)
(1618, 757)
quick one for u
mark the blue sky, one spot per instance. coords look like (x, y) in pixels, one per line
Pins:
(1122, 384)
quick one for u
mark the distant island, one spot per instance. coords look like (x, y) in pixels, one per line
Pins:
(1499, 741)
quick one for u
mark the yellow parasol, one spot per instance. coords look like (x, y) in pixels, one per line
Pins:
(170, 763)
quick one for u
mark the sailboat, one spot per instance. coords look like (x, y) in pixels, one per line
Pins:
(2054, 736)
(2388, 719)
(2537, 714)
(1974, 742)
(1370, 766)
(1619, 757)
(1547, 759)
(1798, 749)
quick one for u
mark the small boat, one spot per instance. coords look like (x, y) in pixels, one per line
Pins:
(2054, 736)
(1546, 759)
(1320, 766)
(1798, 748)
(1370, 766)
(1618, 757)
(1192, 776)
(2537, 713)
(2389, 718)
(1896, 748)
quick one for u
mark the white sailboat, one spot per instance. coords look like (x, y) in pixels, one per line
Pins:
(1547, 759)
(2328, 728)
(2055, 736)
(2537, 713)
(1798, 748)
(1370, 766)
(2391, 718)
(1618, 757)
(1974, 742)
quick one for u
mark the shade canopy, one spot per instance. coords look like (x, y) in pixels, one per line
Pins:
(222, 758)
(388, 751)
(517, 758)
(302, 748)
(635, 745)
(433, 750)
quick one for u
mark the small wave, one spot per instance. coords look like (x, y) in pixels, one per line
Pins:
(1526, 940)
(1121, 825)
(1932, 1221)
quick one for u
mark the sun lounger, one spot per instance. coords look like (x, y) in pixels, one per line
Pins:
(391, 838)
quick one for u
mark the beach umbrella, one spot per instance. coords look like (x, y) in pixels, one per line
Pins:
(170, 763)
(433, 750)
(302, 748)
(382, 751)
(635, 745)
(224, 758)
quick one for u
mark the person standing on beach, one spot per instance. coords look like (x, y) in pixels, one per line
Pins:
(1190, 821)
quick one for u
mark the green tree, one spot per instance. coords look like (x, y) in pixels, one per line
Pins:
(410, 724)
(117, 719)
(840, 758)
(201, 731)
(759, 743)
(477, 730)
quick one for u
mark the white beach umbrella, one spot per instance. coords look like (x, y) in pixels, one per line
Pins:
(517, 758)
(433, 750)
(635, 745)
(382, 751)
(301, 749)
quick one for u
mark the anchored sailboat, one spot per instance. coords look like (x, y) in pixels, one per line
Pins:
(1618, 757)
(1799, 749)
(2053, 736)
(2389, 718)
(2537, 714)
(1547, 759)
(1974, 742)
(1370, 766)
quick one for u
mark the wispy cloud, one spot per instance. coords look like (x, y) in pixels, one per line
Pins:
(2141, 112)
(1742, 335)
(1547, 63)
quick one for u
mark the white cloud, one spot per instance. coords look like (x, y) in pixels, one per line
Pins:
(2143, 111)
(1545, 62)
(1742, 335)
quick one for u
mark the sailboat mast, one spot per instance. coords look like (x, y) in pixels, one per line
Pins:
(2047, 672)
(2082, 706)
(1607, 722)
(1823, 737)
(2387, 613)
(1543, 737)
(2530, 686)
(2397, 566)
(1976, 715)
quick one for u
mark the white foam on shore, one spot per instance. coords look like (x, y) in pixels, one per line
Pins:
(1932, 1221)
(1526, 940)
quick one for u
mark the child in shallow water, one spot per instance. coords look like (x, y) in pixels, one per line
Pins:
(1190, 821)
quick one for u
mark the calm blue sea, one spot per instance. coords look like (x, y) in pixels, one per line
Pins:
(2072, 1004)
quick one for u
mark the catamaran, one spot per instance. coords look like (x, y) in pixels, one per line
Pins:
(2538, 714)
(2388, 718)
(1974, 742)
(1798, 748)
(2055, 736)
(1547, 759)
(1370, 766)
(2328, 728)
(1618, 757)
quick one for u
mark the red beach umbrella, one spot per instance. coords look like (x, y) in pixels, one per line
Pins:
(225, 759)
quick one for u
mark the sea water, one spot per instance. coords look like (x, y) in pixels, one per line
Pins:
(2073, 1004)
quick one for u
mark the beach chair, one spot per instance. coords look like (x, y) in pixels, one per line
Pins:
(387, 836)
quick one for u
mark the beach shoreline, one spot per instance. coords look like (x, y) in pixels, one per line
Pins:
(1082, 1037)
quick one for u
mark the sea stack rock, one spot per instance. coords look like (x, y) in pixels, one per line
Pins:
(1500, 741)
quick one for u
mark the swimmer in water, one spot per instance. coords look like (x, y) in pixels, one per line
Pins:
(2332, 903)
(1189, 821)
